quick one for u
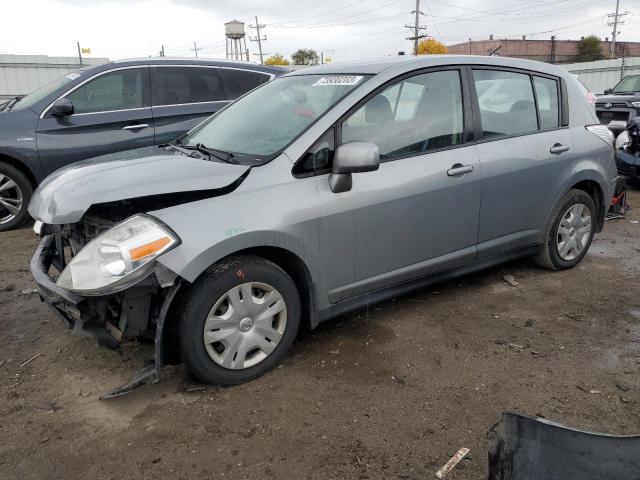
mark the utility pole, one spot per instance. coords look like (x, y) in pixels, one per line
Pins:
(614, 23)
(416, 28)
(195, 49)
(258, 38)
(79, 54)
(162, 51)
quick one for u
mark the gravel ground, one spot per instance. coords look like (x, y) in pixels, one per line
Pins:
(387, 392)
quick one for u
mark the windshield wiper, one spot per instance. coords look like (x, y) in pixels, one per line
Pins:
(219, 154)
(9, 104)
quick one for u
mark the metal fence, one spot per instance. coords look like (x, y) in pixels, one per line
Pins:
(22, 74)
(603, 74)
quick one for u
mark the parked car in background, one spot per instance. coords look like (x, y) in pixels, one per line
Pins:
(619, 104)
(109, 108)
(319, 193)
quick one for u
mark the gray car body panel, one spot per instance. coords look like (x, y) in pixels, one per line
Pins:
(351, 242)
(67, 194)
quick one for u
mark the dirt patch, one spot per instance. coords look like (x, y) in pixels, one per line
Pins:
(388, 392)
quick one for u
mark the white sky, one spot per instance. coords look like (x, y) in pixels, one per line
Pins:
(344, 29)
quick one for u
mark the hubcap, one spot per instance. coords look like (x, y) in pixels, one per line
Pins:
(10, 199)
(245, 325)
(574, 232)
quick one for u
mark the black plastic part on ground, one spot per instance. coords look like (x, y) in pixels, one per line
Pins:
(522, 447)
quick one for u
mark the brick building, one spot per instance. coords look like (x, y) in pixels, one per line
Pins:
(552, 50)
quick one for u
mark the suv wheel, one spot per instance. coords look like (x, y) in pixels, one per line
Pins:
(570, 233)
(15, 193)
(238, 320)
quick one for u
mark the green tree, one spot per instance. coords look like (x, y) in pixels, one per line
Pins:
(305, 56)
(590, 49)
(276, 59)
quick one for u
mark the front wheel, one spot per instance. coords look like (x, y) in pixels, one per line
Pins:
(15, 193)
(238, 320)
(569, 235)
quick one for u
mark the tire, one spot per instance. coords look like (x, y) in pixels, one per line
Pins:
(558, 252)
(238, 327)
(15, 190)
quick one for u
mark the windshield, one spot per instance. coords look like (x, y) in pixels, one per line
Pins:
(628, 84)
(262, 123)
(37, 95)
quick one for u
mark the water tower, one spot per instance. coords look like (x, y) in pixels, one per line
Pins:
(236, 41)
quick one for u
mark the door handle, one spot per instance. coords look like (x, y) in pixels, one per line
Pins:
(559, 148)
(459, 169)
(138, 126)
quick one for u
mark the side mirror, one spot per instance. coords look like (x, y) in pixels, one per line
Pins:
(352, 157)
(62, 107)
(608, 91)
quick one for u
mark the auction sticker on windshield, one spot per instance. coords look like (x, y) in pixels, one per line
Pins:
(338, 80)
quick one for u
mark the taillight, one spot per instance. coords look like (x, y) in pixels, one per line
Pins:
(602, 132)
(591, 97)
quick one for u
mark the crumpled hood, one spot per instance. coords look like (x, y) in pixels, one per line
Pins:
(67, 194)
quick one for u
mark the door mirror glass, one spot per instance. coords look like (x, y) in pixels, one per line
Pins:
(352, 157)
(62, 107)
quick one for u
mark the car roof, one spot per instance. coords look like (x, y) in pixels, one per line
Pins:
(198, 61)
(402, 63)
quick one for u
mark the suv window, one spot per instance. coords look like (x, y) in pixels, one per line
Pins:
(547, 96)
(117, 90)
(419, 114)
(180, 85)
(240, 82)
(507, 105)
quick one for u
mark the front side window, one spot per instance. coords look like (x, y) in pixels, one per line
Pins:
(180, 85)
(507, 105)
(118, 90)
(419, 114)
(262, 123)
(547, 96)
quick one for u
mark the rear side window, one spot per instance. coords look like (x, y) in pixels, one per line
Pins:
(419, 114)
(181, 85)
(118, 90)
(547, 96)
(240, 82)
(507, 104)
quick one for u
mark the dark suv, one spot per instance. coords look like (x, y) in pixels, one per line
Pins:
(99, 110)
(619, 104)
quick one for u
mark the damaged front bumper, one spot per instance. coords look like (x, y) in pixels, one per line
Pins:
(139, 311)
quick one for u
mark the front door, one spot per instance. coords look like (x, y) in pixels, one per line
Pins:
(417, 214)
(112, 112)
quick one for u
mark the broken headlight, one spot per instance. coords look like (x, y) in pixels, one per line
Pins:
(119, 257)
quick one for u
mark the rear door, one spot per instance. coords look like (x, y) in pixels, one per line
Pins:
(112, 112)
(183, 96)
(525, 155)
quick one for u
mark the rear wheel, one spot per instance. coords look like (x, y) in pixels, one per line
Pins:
(238, 320)
(15, 193)
(570, 232)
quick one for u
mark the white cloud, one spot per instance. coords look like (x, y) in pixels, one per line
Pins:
(345, 29)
